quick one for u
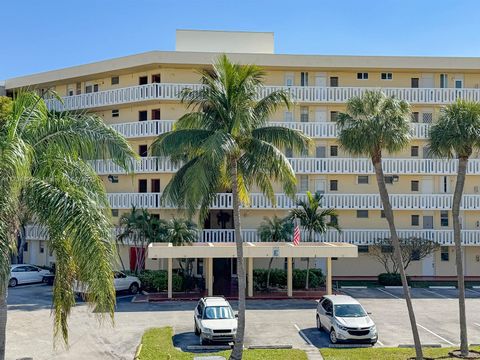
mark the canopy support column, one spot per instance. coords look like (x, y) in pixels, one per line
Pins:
(250, 277)
(329, 276)
(210, 276)
(289, 277)
(169, 277)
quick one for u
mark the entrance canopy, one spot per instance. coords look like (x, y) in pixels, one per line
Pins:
(252, 250)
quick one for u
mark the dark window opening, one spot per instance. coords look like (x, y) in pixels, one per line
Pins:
(143, 80)
(143, 150)
(142, 185)
(143, 115)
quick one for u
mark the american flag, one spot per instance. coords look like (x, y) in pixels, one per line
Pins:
(296, 235)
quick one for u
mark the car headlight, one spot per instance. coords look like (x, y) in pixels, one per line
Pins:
(341, 327)
(207, 330)
(234, 330)
(373, 328)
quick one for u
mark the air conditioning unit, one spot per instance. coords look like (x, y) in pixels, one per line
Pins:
(395, 178)
(477, 224)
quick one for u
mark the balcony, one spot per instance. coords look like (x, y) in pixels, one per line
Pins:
(352, 236)
(315, 166)
(336, 201)
(301, 94)
(317, 130)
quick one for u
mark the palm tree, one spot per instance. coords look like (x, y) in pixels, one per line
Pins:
(43, 167)
(314, 219)
(371, 124)
(457, 134)
(275, 230)
(225, 145)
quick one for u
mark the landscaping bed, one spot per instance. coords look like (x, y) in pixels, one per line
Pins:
(157, 345)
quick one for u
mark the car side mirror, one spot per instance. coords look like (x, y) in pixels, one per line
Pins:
(236, 315)
(369, 313)
(199, 316)
(328, 313)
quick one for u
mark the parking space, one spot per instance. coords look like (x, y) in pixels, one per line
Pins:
(285, 322)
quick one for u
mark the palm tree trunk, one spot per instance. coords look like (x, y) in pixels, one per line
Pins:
(3, 318)
(457, 199)
(268, 273)
(237, 351)
(387, 207)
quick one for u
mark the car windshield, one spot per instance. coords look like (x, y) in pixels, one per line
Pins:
(349, 310)
(218, 312)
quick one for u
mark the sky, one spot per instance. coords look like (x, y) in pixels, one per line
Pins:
(50, 34)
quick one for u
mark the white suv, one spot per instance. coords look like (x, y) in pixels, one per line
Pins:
(345, 319)
(214, 320)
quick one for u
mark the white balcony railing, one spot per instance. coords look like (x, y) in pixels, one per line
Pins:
(352, 236)
(317, 130)
(336, 201)
(305, 94)
(314, 166)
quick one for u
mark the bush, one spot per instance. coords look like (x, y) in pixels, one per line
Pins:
(278, 278)
(156, 280)
(390, 279)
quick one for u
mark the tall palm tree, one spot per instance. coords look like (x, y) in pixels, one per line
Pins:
(457, 135)
(43, 167)
(371, 124)
(314, 219)
(275, 230)
(225, 145)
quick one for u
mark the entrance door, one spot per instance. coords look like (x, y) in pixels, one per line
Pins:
(428, 222)
(428, 265)
(427, 81)
(427, 186)
(320, 115)
(320, 79)
(222, 276)
(320, 151)
(136, 254)
(320, 185)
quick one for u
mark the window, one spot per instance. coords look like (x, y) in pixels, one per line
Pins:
(389, 179)
(25, 247)
(387, 249)
(304, 113)
(443, 218)
(415, 117)
(382, 214)
(143, 150)
(387, 76)
(444, 253)
(288, 116)
(362, 179)
(362, 249)
(155, 186)
(333, 185)
(415, 255)
(115, 113)
(41, 248)
(142, 115)
(427, 117)
(156, 78)
(115, 80)
(334, 219)
(115, 212)
(320, 151)
(362, 214)
(415, 185)
(156, 114)
(289, 79)
(304, 78)
(333, 116)
(303, 182)
(142, 185)
(414, 151)
(458, 83)
(362, 76)
(91, 88)
(334, 81)
(444, 184)
(70, 92)
(415, 82)
(334, 150)
(415, 221)
(199, 266)
(143, 80)
(443, 81)
(78, 88)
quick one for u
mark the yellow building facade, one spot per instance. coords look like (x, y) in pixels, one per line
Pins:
(139, 96)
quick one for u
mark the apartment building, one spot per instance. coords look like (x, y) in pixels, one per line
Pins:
(138, 96)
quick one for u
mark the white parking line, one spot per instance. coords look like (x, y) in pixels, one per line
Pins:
(380, 343)
(302, 334)
(474, 291)
(431, 332)
(386, 292)
(435, 293)
(476, 324)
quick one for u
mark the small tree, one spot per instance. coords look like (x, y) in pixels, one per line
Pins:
(275, 230)
(411, 249)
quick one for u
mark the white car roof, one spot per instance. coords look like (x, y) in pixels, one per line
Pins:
(215, 301)
(341, 299)
(16, 265)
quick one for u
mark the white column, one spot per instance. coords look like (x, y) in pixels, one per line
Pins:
(329, 276)
(169, 281)
(289, 277)
(250, 277)
(210, 276)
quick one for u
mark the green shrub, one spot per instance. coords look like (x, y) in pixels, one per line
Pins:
(278, 278)
(390, 279)
(156, 280)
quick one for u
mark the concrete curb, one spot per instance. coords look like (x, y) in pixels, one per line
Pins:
(280, 346)
(209, 347)
(442, 287)
(349, 346)
(475, 287)
(137, 353)
(409, 346)
(353, 287)
(395, 287)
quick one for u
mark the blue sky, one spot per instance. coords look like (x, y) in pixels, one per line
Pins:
(50, 34)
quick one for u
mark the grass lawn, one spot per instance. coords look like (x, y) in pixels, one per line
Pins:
(157, 345)
(384, 353)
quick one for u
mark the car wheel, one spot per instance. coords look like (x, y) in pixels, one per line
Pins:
(203, 341)
(333, 337)
(197, 332)
(133, 288)
(12, 282)
(319, 324)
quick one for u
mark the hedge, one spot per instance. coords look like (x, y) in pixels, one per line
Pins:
(391, 279)
(156, 280)
(278, 278)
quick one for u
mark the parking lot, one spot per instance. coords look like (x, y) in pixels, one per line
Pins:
(29, 329)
